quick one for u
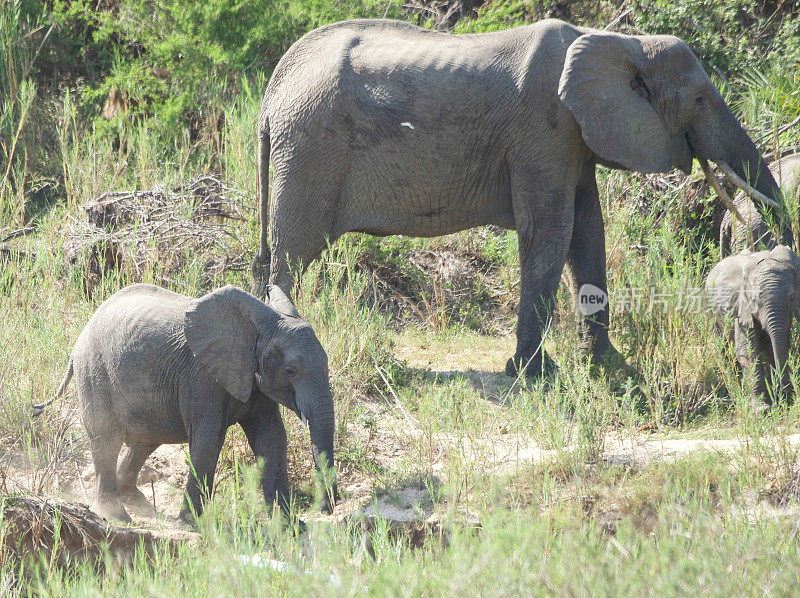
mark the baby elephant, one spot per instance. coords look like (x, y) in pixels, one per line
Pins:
(155, 367)
(761, 291)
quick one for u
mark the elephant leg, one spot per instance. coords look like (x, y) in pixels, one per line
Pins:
(301, 224)
(105, 447)
(543, 219)
(267, 437)
(586, 263)
(127, 474)
(205, 444)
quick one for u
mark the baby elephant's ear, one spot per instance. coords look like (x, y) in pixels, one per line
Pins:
(221, 329)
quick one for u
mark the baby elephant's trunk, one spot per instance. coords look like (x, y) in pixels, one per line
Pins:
(777, 325)
(322, 424)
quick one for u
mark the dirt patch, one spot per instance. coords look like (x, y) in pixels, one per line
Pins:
(162, 479)
(626, 451)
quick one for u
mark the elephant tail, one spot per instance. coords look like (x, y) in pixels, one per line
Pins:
(725, 231)
(36, 410)
(261, 263)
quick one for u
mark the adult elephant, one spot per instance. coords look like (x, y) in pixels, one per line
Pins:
(382, 127)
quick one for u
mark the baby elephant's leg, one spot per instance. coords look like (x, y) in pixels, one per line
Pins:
(127, 474)
(267, 437)
(204, 447)
(105, 448)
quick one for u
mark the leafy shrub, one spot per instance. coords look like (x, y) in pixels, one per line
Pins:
(728, 35)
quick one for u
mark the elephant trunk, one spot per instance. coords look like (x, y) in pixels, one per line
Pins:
(740, 159)
(321, 425)
(776, 325)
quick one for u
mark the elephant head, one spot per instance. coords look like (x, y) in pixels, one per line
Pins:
(761, 291)
(644, 103)
(777, 277)
(248, 345)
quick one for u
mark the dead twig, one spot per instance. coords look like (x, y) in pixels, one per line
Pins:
(616, 20)
(161, 229)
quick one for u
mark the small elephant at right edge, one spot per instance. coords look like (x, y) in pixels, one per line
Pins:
(761, 291)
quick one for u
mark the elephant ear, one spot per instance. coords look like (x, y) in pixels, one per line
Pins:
(280, 302)
(749, 297)
(605, 85)
(792, 261)
(222, 329)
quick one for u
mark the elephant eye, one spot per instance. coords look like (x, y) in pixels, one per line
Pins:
(290, 371)
(699, 99)
(639, 86)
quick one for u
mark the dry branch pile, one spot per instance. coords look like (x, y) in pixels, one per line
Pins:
(160, 231)
(65, 531)
(443, 13)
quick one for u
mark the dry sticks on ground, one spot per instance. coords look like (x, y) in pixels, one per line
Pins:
(161, 231)
(67, 531)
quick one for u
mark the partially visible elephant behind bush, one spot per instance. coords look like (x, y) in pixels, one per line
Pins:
(761, 292)
(382, 127)
(154, 367)
(754, 232)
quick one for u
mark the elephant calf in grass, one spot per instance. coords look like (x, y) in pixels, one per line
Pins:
(761, 291)
(154, 367)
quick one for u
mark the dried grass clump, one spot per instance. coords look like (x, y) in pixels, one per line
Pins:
(160, 231)
(449, 281)
(64, 532)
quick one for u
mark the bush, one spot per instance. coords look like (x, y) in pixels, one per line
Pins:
(728, 36)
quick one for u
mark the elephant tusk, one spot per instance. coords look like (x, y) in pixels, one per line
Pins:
(739, 182)
(721, 193)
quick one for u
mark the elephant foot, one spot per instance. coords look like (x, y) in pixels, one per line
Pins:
(135, 499)
(113, 509)
(612, 364)
(185, 521)
(535, 367)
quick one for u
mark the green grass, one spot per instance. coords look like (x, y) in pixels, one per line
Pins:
(666, 529)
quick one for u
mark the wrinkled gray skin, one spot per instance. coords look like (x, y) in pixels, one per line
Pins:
(386, 128)
(735, 236)
(761, 292)
(154, 367)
